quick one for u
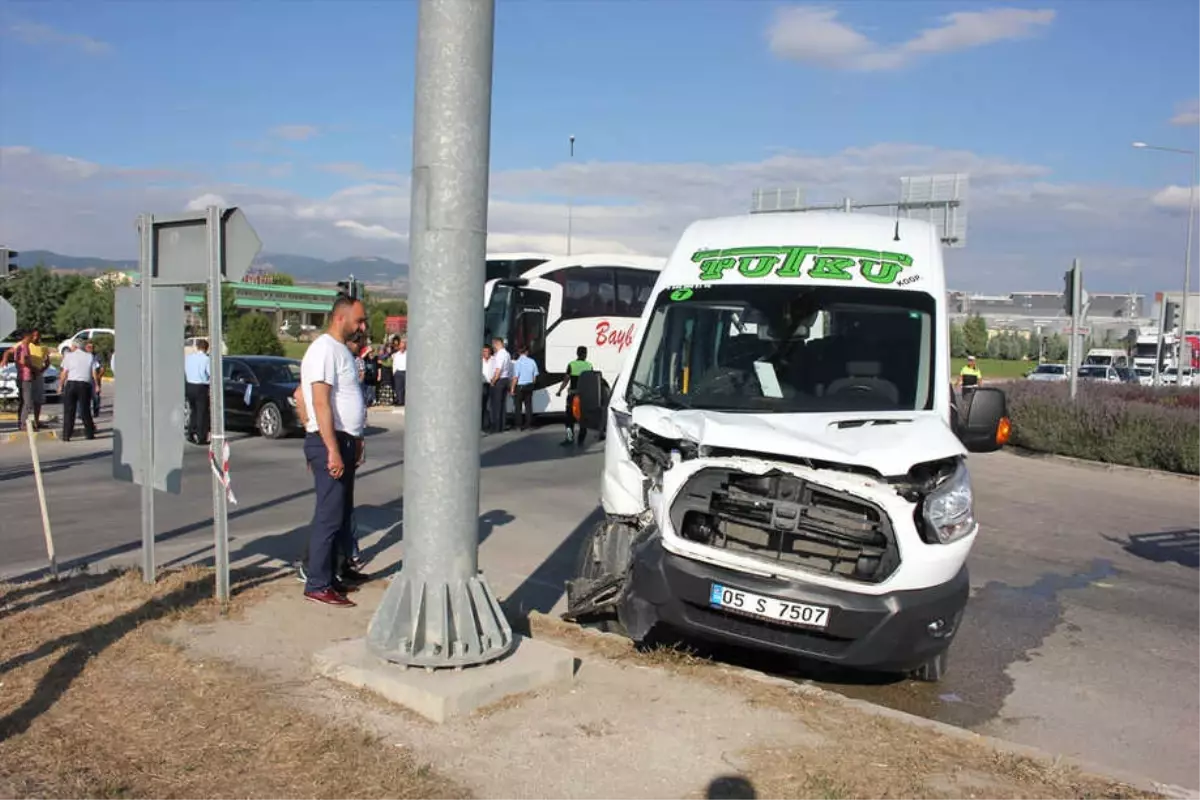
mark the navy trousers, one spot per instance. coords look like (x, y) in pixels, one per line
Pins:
(331, 530)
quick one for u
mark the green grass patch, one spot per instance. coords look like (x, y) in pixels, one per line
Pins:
(994, 368)
(295, 349)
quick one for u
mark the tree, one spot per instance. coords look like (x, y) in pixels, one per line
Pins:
(253, 334)
(958, 342)
(377, 325)
(36, 296)
(281, 279)
(229, 309)
(1056, 348)
(293, 328)
(86, 307)
(975, 335)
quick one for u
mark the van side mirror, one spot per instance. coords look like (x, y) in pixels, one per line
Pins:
(591, 401)
(982, 420)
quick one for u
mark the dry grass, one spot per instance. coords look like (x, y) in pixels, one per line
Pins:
(865, 755)
(93, 703)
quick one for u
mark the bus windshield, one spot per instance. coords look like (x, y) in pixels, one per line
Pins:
(782, 349)
(497, 317)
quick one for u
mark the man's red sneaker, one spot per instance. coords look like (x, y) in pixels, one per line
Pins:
(330, 597)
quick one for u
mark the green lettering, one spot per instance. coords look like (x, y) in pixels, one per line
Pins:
(877, 271)
(757, 266)
(713, 264)
(682, 293)
(831, 268)
(795, 260)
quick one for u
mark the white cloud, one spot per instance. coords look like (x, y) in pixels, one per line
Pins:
(375, 232)
(204, 201)
(1187, 113)
(813, 34)
(1174, 198)
(35, 33)
(1024, 228)
(295, 133)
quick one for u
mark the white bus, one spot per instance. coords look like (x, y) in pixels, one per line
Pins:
(564, 302)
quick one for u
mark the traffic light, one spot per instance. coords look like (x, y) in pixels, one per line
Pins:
(350, 288)
(1071, 291)
(1170, 317)
(8, 262)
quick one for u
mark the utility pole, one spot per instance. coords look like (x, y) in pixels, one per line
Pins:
(570, 199)
(1075, 302)
(439, 611)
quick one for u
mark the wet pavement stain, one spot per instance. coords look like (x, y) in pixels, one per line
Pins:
(1002, 626)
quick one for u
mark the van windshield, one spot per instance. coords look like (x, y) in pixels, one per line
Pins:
(773, 348)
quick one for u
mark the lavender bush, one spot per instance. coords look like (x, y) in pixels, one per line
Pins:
(1115, 423)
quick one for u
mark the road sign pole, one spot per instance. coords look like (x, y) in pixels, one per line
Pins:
(440, 612)
(147, 266)
(216, 241)
(1076, 312)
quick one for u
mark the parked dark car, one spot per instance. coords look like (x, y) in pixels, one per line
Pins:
(1128, 375)
(258, 395)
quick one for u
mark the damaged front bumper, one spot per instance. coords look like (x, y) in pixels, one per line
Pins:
(891, 632)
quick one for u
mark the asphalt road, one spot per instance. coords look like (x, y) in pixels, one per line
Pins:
(1081, 636)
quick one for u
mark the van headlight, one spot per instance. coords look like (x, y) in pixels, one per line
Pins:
(949, 509)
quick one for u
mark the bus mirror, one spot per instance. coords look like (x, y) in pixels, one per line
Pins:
(592, 398)
(983, 423)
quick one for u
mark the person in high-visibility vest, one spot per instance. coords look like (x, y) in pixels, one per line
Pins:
(970, 375)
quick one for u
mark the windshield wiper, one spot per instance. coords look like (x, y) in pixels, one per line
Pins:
(657, 395)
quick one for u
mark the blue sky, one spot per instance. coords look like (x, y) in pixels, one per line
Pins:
(302, 111)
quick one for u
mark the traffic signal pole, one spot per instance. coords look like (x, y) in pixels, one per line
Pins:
(439, 611)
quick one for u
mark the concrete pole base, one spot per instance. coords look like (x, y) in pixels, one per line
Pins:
(439, 626)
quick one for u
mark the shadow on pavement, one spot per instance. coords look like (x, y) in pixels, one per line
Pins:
(730, 787)
(190, 528)
(1178, 547)
(547, 584)
(44, 594)
(81, 647)
(52, 465)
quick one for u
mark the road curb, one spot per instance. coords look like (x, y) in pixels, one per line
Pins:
(1139, 782)
(1102, 466)
(21, 436)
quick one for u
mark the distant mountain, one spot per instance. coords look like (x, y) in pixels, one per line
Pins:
(31, 258)
(372, 270)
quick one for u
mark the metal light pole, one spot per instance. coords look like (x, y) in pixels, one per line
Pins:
(439, 611)
(570, 200)
(1184, 348)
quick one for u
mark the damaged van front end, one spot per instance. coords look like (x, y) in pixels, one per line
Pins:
(802, 556)
(785, 464)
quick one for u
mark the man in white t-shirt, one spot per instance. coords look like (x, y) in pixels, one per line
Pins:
(333, 447)
(502, 373)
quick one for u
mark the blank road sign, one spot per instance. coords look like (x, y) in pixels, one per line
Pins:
(167, 353)
(8, 319)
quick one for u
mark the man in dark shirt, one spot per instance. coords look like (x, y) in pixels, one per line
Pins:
(576, 368)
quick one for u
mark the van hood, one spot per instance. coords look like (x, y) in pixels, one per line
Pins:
(889, 443)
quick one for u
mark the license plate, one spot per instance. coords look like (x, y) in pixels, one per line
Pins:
(772, 608)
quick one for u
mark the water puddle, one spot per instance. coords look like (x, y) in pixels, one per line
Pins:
(1003, 625)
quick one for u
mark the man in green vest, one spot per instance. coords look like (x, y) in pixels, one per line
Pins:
(576, 368)
(970, 376)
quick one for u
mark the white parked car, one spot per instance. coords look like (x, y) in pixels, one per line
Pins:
(1049, 372)
(84, 336)
(9, 391)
